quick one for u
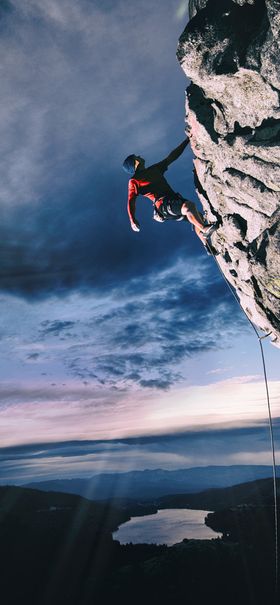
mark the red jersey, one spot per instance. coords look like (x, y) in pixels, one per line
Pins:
(151, 183)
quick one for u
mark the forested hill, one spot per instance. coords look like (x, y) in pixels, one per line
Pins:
(57, 549)
(35, 508)
(256, 493)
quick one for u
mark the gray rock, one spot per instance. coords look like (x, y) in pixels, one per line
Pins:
(196, 5)
(230, 52)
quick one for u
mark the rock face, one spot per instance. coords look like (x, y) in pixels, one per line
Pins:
(230, 52)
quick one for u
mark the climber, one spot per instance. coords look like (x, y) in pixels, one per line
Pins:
(168, 205)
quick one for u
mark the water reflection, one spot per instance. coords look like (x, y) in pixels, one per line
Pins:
(165, 527)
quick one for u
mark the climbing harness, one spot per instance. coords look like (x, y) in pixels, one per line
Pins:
(272, 442)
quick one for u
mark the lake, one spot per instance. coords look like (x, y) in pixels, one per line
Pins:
(165, 527)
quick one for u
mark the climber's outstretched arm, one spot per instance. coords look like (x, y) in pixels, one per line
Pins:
(175, 154)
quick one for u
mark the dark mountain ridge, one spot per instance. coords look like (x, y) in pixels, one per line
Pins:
(155, 483)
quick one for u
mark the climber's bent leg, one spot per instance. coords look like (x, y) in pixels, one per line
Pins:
(189, 210)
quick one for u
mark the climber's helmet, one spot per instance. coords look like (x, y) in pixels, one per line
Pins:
(132, 162)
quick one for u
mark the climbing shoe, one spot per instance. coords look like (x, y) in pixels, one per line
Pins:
(210, 229)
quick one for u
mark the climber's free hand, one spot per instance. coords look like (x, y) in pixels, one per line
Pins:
(135, 225)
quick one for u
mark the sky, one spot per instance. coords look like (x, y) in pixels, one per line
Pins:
(118, 350)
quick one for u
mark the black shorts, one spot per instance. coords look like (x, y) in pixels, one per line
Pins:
(170, 209)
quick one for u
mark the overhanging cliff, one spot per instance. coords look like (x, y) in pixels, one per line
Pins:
(230, 52)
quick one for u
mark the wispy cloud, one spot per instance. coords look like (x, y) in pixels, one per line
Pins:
(48, 413)
(218, 370)
(142, 335)
(247, 445)
(56, 327)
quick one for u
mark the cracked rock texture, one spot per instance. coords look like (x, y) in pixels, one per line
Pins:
(230, 52)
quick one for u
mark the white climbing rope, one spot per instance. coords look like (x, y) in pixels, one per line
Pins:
(272, 442)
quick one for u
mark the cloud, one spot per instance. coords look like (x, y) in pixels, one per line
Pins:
(47, 412)
(218, 371)
(145, 331)
(245, 445)
(140, 335)
(147, 340)
(56, 327)
(33, 356)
